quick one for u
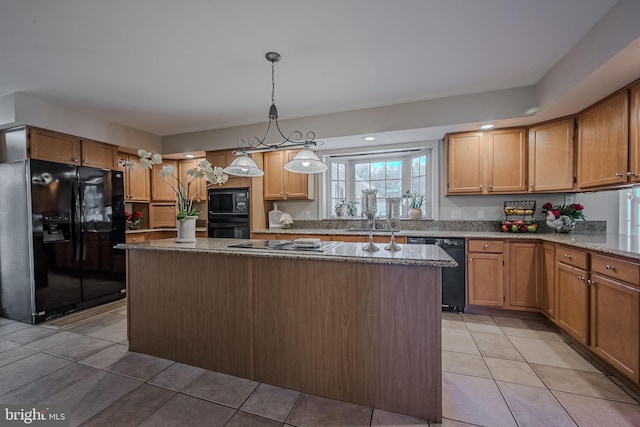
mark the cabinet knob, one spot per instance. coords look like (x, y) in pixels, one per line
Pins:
(490, 186)
(609, 267)
(618, 175)
(75, 160)
(580, 278)
(631, 174)
(486, 246)
(567, 256)
(530, 185)
(481, 186)
(470, 259)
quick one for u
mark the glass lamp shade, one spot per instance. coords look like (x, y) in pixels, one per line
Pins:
(306, 161)
(243, 165)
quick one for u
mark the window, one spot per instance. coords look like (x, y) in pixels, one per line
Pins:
(390, 170)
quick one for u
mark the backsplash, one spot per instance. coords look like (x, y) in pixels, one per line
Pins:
(582, 227)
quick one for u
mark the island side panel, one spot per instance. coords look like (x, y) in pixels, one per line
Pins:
(364, 333)
(194, 308)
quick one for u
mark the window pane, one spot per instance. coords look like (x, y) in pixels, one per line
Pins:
(334, 171)
(382, 207)
(377, 170)
(415, 185)
(362, 172)
(394, 188)
(341, 168)
(394, 170)
(415, 167)
(381, 188)
(423, 165)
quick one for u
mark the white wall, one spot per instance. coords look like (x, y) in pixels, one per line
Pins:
(7, 109)
(35, 112)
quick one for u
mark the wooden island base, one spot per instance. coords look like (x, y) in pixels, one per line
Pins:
(358, 332)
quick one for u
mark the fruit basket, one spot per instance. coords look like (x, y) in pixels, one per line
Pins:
(519, 217)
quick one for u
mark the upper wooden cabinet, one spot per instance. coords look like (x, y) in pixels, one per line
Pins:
(53, 146)
(198, 187)
(487, 162)
(280, 184)
(61, 148)
(137, 186)
(551, 156)
(98, 154)
(506, 155)
(465, 165)
(634, 135)
(603, 143)
(161, 190)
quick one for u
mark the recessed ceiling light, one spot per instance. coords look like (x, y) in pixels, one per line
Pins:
(370, 138)
(486, 126)
(189, 156)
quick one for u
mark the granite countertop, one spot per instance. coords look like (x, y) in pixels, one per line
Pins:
(150, 230)
(609, 243)
(419, 255)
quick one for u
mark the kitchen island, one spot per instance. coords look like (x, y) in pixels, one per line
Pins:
(345, 324)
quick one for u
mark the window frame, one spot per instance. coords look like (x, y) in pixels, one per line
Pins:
(406, 151)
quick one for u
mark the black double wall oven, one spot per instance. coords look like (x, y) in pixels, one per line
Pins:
(229, 213)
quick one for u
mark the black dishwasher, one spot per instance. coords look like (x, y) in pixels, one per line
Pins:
(453, 278)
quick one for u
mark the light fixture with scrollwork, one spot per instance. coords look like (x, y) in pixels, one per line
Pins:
(306, 161)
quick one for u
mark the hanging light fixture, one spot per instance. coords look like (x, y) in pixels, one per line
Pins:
(306, 161)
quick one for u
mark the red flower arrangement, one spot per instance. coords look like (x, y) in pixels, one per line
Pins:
(134, 219)
(573, 211)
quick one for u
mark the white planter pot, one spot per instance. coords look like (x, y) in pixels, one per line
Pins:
(415, 213)
(187, 230)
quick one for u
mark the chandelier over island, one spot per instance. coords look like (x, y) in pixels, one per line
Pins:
(305, 162)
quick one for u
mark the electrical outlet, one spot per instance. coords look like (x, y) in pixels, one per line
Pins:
(480, 213)
(569, 199)
(307, 214)
(456, 214)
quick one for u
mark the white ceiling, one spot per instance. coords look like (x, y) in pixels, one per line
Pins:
(170, 67)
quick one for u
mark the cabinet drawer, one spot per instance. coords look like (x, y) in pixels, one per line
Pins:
(572, 257)
(135, 237)
(616, 268)
(488, 246)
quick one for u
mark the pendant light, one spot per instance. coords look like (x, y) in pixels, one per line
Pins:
(305, 162)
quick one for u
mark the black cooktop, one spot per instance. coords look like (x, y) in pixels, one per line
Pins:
(284, 245)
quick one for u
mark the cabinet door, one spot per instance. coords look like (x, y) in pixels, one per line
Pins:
(485, 285)
(98, 154)
(198, 187)
(506, 161)
(161, 190)
(464, 163)
(572, 295)
(137, 180)
(603, 143)
(551, 156)
(53, 146)
(162, 215)
(548, 280)
(296, 185)
(273, 175)
(634, 135)
(615, 324)
(524, 275)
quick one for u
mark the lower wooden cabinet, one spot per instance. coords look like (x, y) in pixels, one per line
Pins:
(548, 280)
(572, 295)
(615, 324)
(485, 283)
(135, 237)
(524, 274)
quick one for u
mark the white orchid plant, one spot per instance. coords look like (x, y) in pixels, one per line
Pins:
(286, 219)
(214, 175)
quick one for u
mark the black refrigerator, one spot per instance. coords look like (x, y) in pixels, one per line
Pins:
(58, 227)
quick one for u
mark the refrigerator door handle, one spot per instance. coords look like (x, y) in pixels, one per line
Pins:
(75, 220)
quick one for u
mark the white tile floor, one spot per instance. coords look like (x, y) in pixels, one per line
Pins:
(497, 370)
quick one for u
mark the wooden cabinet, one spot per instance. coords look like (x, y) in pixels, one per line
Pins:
(572, 293)
(198, 187)
(507, 155)
(61, 148)
(137, 186)
(162, 215)
(634, 134)
(485, 273)
(524, 274)
(280, 184)
(551, 157)
(465, 164)
(487, 162)
(98, 154)
(161, 190)
(615, 313)
(53, 146)
(135, 237)
(603, 143)
(548, 280)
